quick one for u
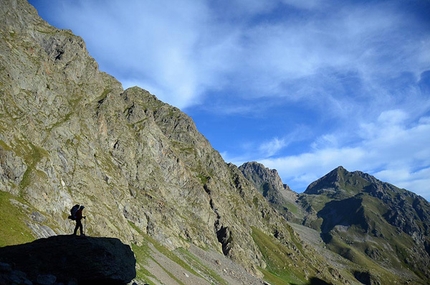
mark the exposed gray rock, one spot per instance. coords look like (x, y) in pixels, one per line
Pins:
(269, 183)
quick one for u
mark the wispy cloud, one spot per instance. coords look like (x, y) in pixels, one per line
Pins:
(272, 147)
(183, 49)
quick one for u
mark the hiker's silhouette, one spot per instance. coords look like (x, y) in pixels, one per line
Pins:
(79, 217)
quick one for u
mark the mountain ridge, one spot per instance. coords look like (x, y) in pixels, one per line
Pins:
(357, 216)
(361, 206)
(269, 184)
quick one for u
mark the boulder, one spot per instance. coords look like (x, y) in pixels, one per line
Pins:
(78, 259)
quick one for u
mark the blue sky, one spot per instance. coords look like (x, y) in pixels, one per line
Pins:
(300, 86)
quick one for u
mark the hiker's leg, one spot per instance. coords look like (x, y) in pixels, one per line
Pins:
(79, 223)
(78, 226)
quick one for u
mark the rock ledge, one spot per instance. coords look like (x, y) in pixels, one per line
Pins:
(68, 260)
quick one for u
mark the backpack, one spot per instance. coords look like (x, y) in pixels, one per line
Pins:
(73, 211)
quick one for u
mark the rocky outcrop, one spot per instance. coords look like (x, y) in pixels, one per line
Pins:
(68, 260)
(262, 176)
(269, 184)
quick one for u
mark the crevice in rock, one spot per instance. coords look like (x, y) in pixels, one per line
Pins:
(224, 237)
(58, 53)
(116, 145)
(129, 111)
(223, 233)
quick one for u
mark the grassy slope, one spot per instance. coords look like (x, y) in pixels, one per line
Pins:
(13, 229)
(149, 248)
(279, 270)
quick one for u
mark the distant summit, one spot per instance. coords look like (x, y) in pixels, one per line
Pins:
(270, 185)
(266, 180)
(360, 217)
(340, 182)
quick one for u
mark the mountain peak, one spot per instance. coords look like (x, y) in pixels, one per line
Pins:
(269, 184)
(344, 205)
(258, 173)
(340, 180)
(331, 181)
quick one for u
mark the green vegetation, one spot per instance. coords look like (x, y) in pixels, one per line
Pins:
(4, 145)
(292, 207)
(316, 201)
(204, 270)
(203, 178)
(162, 249)
(367, 236)
(13, 229)
(277, 256)
(32, 155)
(142, 252)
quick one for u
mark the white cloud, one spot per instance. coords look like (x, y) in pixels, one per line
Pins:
(409, 179)
(325, 141)
(183, 49)
(272, 147)
(153, 44)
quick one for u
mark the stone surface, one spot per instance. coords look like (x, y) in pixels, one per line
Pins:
(86, 260)
(70, 134)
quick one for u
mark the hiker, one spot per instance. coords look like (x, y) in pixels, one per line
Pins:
(78, 217)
